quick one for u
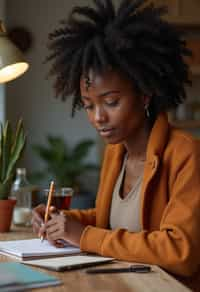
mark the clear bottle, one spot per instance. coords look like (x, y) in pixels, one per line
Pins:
(21, 190)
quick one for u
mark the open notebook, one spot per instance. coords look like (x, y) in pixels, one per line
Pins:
(34, 248)
(70, 262)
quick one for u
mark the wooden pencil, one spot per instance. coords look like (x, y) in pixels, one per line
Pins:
(50, 195)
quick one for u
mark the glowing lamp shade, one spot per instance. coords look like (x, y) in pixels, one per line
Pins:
(12, 62)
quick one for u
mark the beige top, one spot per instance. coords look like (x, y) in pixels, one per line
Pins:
(125, 211)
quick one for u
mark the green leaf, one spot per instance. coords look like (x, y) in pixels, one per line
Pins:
(5, 188)
(63, 163)
(17, 149)
(43, 152)
(1, 151)
(82, 149)
(6, 149)
(11, 149)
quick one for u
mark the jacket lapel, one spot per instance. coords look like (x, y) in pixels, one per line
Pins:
(150, 170)
(112, 169)
(155, 148)
(156, 145)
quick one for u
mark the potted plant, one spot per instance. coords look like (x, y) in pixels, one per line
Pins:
(11, 149)
(66, 165)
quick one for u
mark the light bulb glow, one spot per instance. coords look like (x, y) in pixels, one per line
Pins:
(11, 72)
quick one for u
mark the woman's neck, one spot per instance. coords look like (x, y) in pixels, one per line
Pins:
(136, 146)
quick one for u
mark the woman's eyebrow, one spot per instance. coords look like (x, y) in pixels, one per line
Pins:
(103, 94)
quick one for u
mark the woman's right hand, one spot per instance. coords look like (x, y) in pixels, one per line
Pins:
(38, 215)
(38, 218)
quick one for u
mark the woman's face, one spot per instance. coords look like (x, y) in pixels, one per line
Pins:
(112, 106)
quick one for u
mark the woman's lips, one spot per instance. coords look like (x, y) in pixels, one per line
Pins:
(106, 132)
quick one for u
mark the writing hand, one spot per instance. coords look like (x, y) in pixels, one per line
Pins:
(38, 218)
(61, 226)
(37, 221)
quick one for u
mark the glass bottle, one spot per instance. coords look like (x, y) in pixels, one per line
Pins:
(21, 190)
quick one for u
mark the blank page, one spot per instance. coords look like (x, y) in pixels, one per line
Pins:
(34, 248)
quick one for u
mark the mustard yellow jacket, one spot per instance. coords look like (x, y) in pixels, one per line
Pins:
(170, 206)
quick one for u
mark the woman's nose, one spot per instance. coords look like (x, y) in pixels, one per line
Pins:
(100, 115)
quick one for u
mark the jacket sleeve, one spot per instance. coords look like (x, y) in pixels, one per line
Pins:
(87, 217)
(175, 245)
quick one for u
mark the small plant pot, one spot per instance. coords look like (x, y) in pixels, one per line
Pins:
(6, 213)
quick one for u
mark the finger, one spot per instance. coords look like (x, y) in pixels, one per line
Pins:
(52, 229)
(40, 209)
(54, 219)
(42, 236)
(42, 230)
(62, 242)
(53, 212)
(38, 231)
(36, 225)
(59, 244)
(53, 209)
(54, 236)
(56, 243)
(35, 221)
(51, 222)
(52, 242)
(58, 214)
(53, 215)
(37, 217)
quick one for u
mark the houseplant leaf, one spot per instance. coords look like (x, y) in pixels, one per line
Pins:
(11, 148)
(6, 137)
(17, 149)
(65, 164)
(82, 149)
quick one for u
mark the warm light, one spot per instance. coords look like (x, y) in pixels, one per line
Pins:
(12, 62)
(12, 71)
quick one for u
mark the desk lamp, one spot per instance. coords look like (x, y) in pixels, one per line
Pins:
(12, 62)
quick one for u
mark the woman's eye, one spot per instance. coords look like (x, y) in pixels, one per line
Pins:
(112, 102)
(87, 106)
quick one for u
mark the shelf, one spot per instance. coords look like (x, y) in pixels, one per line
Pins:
(195, 70)
(187, 124)
(184, 23)
(184, 14)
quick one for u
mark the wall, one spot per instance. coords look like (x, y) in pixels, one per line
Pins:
(2, 87)
(31, 96)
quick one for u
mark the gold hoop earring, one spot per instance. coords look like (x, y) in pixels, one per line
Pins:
(146, 108)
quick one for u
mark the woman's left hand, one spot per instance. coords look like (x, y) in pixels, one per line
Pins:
(64, 227)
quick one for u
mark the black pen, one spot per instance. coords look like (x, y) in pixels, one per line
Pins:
(132, 268)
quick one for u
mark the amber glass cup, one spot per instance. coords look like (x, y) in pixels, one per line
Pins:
(61, 198)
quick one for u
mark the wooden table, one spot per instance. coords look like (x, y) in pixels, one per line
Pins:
(78, 280)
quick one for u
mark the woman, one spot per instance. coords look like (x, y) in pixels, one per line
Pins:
(126, 69)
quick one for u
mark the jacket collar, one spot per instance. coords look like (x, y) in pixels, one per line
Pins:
(158, 139)
(155, 147)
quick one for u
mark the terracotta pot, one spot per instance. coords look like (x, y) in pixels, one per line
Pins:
(6, 212)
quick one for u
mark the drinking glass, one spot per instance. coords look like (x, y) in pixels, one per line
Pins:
(61, 198)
